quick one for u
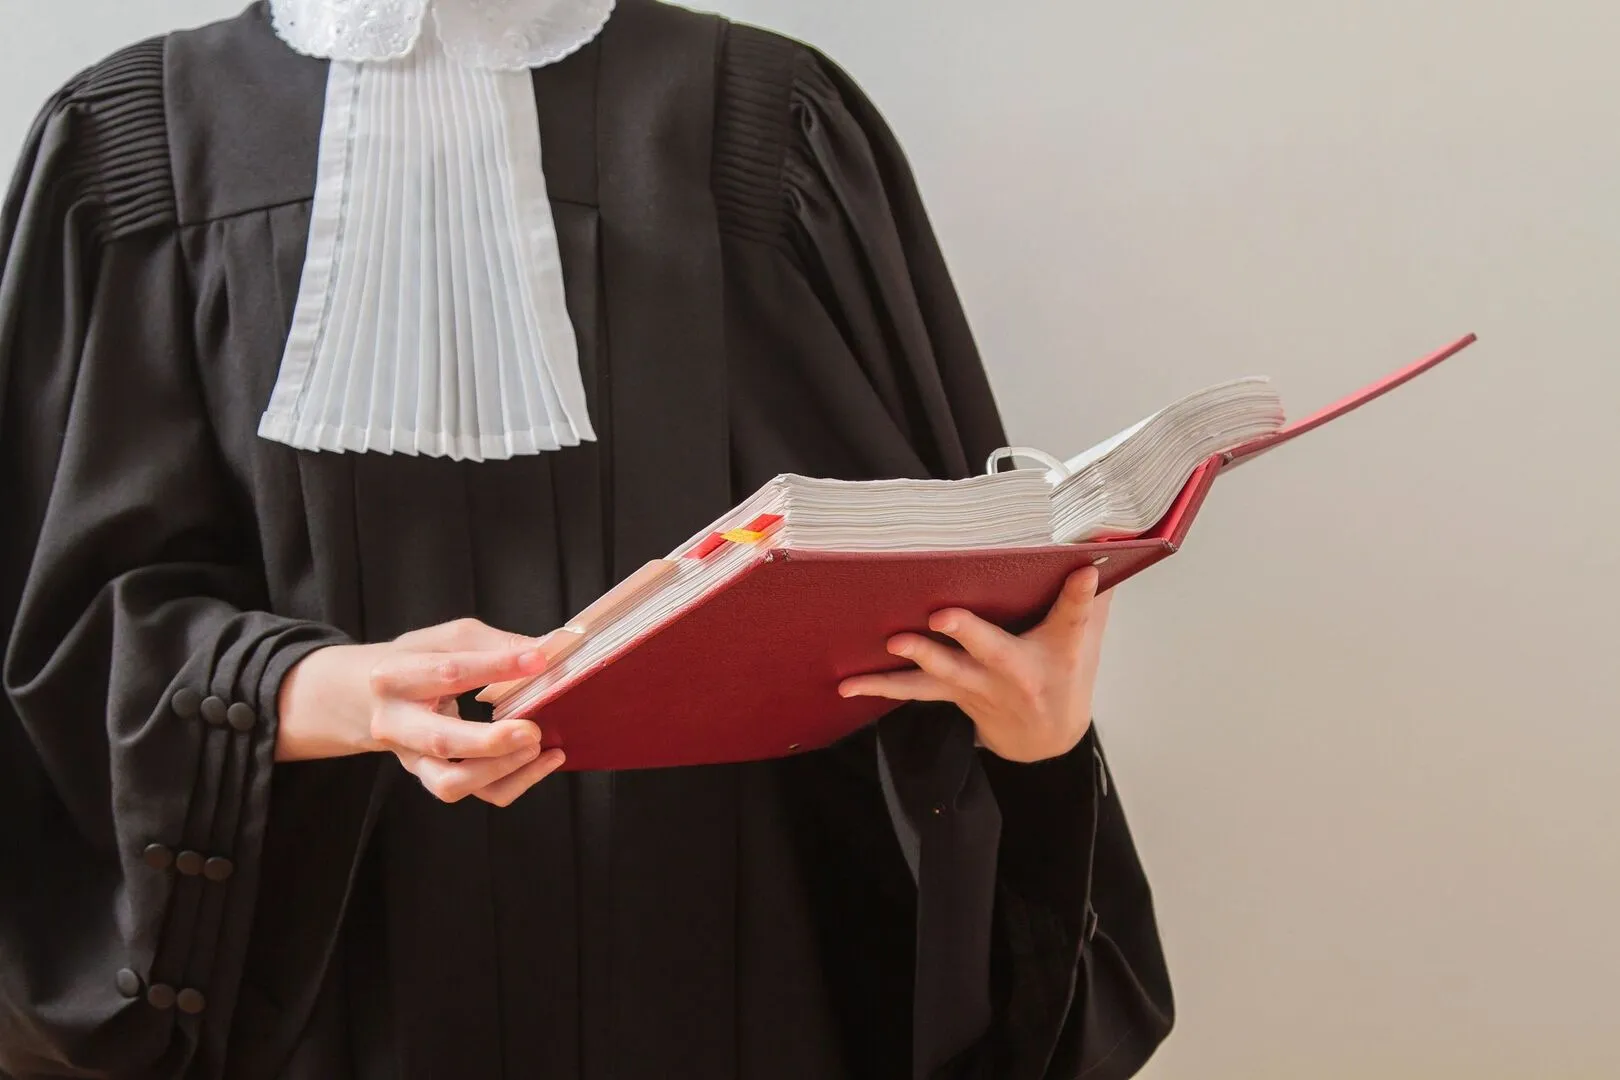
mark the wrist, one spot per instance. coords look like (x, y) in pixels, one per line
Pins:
(324, 705)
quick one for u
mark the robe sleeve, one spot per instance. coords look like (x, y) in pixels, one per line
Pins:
(138, 718)
(1037, 952)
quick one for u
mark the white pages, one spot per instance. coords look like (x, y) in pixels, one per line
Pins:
(1122, 486)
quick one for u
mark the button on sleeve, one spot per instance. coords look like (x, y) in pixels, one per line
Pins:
(241, 717)
(214, 711)
(128, 982)
(185, 703)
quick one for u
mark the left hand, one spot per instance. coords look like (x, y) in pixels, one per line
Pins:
(1029, 696)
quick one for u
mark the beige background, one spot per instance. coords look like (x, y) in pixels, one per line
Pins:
(1366, 723)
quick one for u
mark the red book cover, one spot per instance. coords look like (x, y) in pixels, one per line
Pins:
(751, 671)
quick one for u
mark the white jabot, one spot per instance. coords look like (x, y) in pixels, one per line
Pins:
(431, 317)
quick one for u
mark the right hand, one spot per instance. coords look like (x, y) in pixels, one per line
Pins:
(400, 697)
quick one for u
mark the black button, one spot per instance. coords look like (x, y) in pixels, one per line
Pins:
(213, 711)
(241, 717)
(158, 857)
(160, 996)
(185, 703)
(191, 1002)
(189, 863)
(128, 983)
(218, 868)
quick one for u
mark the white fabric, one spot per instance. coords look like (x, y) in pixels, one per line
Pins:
(502, 35)
(352, 30)
(506, 35)
(431, 317)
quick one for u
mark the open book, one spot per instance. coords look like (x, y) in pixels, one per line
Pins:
(1005, 539)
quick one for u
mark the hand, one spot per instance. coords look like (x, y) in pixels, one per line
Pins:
(400, 697)
(1030, 696)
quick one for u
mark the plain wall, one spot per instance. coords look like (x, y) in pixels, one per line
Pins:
(1366, 723)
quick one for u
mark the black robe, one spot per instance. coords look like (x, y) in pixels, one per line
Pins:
(756, 290)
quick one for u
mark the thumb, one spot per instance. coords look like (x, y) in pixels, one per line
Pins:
(1069, 615)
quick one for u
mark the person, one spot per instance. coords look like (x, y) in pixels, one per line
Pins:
(320, 397)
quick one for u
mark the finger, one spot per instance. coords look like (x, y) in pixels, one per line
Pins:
(506, 791)
(1098, 620)
(899, 686)
(428, 676)
(984, 641)
(453, 781)
(945, 662)
(1069, 615)
(417, 728)
(464, 635)
(1091, 641)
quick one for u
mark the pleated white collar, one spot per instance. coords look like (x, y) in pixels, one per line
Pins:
(431, 317)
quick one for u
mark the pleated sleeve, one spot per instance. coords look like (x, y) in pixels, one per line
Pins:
(1037, 952)
(138, 718)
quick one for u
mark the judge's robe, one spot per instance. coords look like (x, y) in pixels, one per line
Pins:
(756, 290)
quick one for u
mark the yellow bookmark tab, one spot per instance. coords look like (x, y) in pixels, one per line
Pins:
(755, 531)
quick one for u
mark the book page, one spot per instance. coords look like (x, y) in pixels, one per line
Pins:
(1088, 457)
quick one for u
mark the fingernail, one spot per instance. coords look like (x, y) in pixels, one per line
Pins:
(900, 648)
(524, 737)
(531, 657)
(943, 624)
(531, 753)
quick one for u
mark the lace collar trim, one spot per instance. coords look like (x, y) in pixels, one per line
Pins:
(493, 35)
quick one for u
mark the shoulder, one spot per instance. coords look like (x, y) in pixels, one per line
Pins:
(765, 82)
(100, 144)
(182, 128)
(759, 72)
(778, 102)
